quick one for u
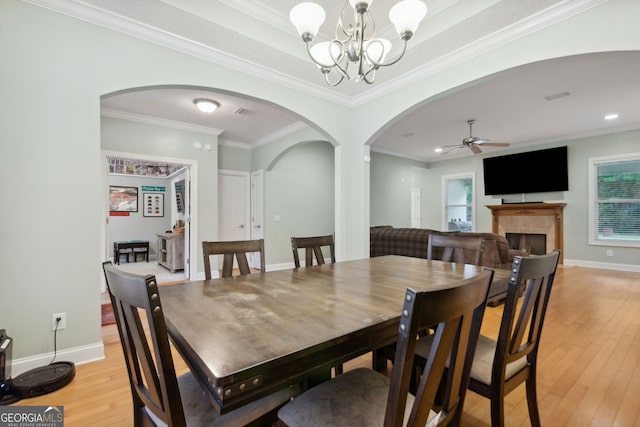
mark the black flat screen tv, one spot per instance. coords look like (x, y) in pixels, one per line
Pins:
(538, 171)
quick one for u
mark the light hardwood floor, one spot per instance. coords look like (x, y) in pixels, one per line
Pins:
(589, 362)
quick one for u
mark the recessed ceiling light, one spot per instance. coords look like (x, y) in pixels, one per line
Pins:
(611, 116)
(438, 150)
(206, 105)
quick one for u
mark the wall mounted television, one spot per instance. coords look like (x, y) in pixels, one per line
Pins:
(538, 171)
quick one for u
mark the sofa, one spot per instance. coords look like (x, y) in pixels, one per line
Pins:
(413, 242)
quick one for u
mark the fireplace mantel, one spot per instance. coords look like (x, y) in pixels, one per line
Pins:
(531, 217)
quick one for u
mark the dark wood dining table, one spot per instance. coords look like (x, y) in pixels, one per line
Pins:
(246, 336)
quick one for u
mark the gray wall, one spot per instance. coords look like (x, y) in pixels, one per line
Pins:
(391, 181)
(394, 172)
(234, 157)
(299, 189)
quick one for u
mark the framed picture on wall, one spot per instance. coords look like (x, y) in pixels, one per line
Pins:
(123, 199)
(153, 204)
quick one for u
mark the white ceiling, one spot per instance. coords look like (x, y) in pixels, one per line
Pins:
(257, 37)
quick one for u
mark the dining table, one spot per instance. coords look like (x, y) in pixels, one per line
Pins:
(244, 337)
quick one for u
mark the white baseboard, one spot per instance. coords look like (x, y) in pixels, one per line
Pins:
(283, 266)
(78, 355)
(603, 265)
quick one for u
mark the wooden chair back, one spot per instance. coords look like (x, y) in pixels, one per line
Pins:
(457, 315)
(313, 246)
(453, 248)
(521, 325)
(152, 375)
(229, 250)
(519, 335)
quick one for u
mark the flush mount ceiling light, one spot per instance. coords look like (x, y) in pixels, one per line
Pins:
(355, 42)
(611, 116)
(206, 105)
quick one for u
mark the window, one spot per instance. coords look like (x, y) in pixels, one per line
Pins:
(614, 200)
(459, 211)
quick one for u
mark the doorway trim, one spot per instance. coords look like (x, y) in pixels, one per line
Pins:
(193, 211)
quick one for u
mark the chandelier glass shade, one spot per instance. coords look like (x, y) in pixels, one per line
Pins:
(355, 41)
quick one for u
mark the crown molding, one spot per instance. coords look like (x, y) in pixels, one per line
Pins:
(122, 24)
(536, 22)
(280, 133)
(234, 144)
(104, 18)
(149, 120)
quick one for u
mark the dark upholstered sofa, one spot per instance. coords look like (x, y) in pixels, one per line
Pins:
(413, 242)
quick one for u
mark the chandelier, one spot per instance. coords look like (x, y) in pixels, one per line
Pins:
(356, 42)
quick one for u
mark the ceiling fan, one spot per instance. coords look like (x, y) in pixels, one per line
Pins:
(474, 143)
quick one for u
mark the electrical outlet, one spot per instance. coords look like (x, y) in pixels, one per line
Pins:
(61, 324)
(609, 252)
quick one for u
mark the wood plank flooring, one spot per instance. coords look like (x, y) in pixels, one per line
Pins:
(589, 362)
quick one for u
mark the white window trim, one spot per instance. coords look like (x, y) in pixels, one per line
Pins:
(443, 193)
(593, 237)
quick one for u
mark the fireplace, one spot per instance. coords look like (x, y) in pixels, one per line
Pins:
(529, 243)
(531, 219)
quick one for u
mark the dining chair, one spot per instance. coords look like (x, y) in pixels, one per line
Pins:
(454, 248)
(313, 246)
(444, 248)
(237, 249)
(502, 364)
(159, 397)
(369, 398)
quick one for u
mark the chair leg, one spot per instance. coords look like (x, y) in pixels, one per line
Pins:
(379, 360)
(337, 370)
(532, 399)
(497, 410)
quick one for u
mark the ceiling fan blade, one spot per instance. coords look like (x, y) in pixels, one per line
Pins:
(496, 144)
(475, 149)
(452, 150)
(455, 145)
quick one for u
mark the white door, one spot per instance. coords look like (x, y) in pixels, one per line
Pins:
(181, 195)
(257, 212)
(234, 203)
(415, 208)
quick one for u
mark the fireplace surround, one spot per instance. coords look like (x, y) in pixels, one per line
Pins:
(531, 218)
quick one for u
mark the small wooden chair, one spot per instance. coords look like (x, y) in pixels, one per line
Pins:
(453, 248)
(232, 249)
(371, 398)
(313, 246)
(499, 366)
(159, 397)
